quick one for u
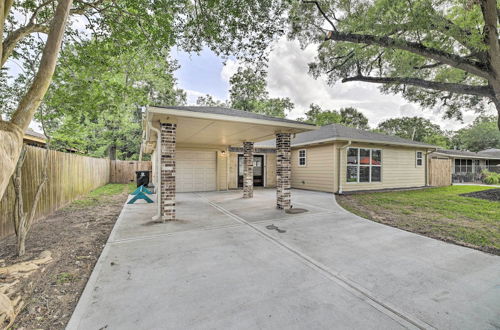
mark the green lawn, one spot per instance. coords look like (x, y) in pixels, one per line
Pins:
(435, 212)
(99, 195)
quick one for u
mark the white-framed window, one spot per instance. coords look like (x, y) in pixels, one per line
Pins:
(419, 158)
(302, 157)
(364, 165)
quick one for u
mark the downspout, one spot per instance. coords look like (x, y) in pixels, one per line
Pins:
(340, 165)
(158, 170)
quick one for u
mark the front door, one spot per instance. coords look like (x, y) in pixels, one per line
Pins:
(258, 170)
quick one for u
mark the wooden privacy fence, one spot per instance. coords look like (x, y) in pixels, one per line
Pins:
(123, 171)
(439, 172)
(69, 176)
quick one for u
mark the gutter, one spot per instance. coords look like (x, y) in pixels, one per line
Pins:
(158, 175)
(341, 149)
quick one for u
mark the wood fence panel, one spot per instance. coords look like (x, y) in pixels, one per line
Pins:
(123, 171)
(439, 172)
(69, 176)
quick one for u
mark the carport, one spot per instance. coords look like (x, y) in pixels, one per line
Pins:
(190, 144)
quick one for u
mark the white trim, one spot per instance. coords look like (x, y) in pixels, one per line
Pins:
(213, 116)
(358, 166)
(364, 141)
(417, 158)
(305, 158)
(463, 156)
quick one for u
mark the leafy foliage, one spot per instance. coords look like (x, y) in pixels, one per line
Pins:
(248, 92)
(97, 94)
(481, 134)
(415, 128)
(345, 116)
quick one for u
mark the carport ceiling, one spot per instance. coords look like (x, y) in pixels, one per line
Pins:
(222, 129)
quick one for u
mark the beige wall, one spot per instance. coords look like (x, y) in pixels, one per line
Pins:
(269, 169)
(399, 168)
(318, 174)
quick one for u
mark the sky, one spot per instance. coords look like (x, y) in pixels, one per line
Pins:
(205, 73)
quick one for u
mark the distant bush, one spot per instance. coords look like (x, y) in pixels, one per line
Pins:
(491, 177)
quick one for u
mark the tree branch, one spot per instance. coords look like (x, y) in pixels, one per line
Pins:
(412, 47)
(32, 99)
(483, 91)
(325, 16)
(9, 44)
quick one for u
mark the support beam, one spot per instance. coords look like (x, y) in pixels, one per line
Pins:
(167, 169)
(283, 171)
(247, 169)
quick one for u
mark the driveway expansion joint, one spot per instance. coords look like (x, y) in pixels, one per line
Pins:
(403, 318)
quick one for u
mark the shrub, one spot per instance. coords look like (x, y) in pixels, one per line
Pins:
(491, 177)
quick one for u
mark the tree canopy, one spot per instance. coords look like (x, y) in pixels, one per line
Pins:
(345, 116)
(97, 95)
(438, 53)
(416, 129)
(480, 135)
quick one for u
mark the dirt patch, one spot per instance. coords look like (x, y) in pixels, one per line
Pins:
(75, 236)
(490, 195)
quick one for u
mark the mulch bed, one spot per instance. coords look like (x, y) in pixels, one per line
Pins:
(75, 236)
(490, 195)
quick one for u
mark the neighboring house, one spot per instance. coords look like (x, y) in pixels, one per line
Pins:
(33, 138)
(467, 166)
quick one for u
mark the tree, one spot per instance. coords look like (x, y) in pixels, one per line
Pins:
(130, 22)
(416, 129)
(12, 131)
(248, 92)
(320, 117)
(481, 134)
(97, 93)
(436, 53)
(209, 101)
(353, 118)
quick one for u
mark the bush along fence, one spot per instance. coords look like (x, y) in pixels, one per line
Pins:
(69, 176)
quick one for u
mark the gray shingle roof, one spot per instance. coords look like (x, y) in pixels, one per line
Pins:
(31, 132)
(231, 112)
(469, 154)
(340, 132)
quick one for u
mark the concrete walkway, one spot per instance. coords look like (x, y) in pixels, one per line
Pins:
(219, 267)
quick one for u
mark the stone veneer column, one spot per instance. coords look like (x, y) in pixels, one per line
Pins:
(247, 169)
(167, 170)
(283, 171)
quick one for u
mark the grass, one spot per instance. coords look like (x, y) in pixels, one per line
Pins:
(101, 194)
(435, 212)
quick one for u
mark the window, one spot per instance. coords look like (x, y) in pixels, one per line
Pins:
(420, 158)
(302, 157)
(364, 165)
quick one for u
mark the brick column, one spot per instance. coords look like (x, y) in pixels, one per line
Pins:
(283, 171)
(167, 170)
(247, 169)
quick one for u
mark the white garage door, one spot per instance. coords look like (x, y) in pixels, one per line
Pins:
(195, 171)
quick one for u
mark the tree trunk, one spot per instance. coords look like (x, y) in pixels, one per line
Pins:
(11, 133)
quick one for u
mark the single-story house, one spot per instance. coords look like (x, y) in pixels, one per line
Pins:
(190, 149)
(212, 148)
(467, 166)
(33, 138)
(340, 159)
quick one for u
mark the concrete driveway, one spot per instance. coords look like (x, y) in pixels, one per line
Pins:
(220, 267)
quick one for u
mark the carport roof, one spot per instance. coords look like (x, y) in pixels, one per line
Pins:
(218, 125)
(232, 112)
